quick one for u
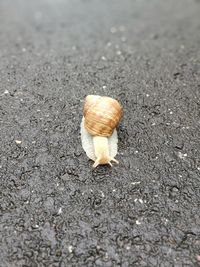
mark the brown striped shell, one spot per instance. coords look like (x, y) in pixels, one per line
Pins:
(102, 114)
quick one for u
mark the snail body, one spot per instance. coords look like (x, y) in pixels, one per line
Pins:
(98, 129)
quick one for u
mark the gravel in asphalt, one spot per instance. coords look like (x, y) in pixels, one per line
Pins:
(55, 209)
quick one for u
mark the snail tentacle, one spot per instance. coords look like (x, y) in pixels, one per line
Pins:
(114, 160)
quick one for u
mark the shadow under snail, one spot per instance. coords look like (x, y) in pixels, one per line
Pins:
(101, 115)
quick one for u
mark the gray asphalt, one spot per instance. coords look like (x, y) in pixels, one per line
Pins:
(57, 211)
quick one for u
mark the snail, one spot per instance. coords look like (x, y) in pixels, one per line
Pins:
(101, 115)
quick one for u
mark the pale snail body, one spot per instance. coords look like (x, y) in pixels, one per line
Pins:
(98, 133)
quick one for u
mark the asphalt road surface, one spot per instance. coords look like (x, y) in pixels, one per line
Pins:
(56, 210)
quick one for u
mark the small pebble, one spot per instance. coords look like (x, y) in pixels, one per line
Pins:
(140, 200)
(70, 249)
(134, 183)
(182, 155)
(118, 52)
(18, 142)
(113, 30)
(60, 211)
(102, 194)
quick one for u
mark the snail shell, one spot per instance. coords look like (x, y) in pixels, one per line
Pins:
(102, 114)
(98, 133)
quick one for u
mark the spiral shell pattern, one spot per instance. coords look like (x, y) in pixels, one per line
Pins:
(102, 114)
